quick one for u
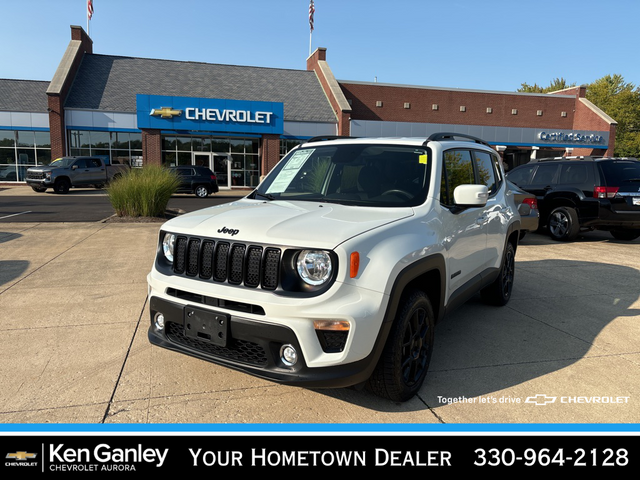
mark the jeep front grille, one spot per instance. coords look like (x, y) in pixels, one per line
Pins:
(221, 261)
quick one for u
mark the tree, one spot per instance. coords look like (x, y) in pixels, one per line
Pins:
(617, 98)
(621, 101)
(556, 84)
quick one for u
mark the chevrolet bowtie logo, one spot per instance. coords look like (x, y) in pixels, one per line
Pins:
(540, 399)
(166, 112)
(21, 455)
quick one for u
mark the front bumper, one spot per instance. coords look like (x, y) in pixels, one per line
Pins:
(251, 341)
(44, 183)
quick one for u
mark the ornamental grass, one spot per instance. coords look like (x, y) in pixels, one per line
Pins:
(143, 192)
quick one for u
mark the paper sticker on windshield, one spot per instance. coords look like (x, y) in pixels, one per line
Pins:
(290, 170)
(298, 158)
(422, 159)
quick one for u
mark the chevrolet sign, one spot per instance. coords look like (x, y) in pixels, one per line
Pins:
(187, 114)
(241, 116)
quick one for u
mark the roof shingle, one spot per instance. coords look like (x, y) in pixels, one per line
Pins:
(110, 83)
(23, 95)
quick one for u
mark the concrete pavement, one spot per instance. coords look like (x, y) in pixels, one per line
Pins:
(74, 320)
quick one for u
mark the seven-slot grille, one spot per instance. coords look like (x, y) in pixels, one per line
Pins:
(221, 261)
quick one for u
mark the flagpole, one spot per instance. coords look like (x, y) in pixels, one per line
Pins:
(312, 10)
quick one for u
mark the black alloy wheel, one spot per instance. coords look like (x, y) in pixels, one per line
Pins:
(499, 292)
(405, 360)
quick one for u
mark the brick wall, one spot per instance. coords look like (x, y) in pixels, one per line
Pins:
(343, 116)
(270, 152)
(152, 147)
(457, 107)
(56, 100)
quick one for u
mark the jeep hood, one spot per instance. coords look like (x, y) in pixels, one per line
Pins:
(300, 224)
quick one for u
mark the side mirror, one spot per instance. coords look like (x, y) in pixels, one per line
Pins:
(471, 195)
(74, 167)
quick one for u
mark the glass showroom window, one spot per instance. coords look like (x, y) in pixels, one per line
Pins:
(242, 153)
(120, 147)
(286, 144)
(21, 149)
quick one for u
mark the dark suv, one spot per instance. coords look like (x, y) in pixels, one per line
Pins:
(200, 181)
(584, 193)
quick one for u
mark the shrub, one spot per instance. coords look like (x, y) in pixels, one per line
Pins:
(143, 192)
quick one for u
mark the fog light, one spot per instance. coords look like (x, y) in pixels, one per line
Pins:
(288, 355)
(159, 321)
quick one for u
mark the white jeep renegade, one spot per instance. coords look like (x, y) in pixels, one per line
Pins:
(335, 270)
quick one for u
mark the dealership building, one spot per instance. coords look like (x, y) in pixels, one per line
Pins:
(241, 120)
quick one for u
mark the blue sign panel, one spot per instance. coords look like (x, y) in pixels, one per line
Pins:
(209, 115)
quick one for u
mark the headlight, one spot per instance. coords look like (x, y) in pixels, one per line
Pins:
(314, 266)
(168, 244)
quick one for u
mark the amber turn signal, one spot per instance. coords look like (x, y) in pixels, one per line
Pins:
(355, 264)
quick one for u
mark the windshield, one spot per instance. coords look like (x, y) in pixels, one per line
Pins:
(367, 175)
(62, 162)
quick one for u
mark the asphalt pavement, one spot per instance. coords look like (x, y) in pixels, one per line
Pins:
(565, 350)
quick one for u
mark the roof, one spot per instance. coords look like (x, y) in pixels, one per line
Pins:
(23, 95)
(110, 83)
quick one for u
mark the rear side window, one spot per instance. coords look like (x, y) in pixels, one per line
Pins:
(574, 174)
(619, 172)
(488, 171)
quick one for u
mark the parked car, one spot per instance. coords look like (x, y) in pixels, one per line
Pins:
(67, 172)
(200, 181)
(584, 193)
(527, 208)
(335, 270)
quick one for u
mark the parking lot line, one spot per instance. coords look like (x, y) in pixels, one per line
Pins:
(15, 214)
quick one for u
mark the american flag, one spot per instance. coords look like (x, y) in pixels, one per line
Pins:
(89, 9)
(312, 10)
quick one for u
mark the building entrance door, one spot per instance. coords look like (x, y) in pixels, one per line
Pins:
(219, 164)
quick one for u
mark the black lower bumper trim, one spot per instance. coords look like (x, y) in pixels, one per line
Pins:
(253, 347)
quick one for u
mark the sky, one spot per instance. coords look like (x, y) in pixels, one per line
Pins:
(486, 45)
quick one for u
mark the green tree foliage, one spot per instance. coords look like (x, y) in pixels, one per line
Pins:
(621, 101)
(614, 96)
(555, 85)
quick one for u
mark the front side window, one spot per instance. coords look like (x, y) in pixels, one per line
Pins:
(354, 174)
(457, 170)
(544, 175)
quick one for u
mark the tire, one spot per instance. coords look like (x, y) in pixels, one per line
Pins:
(39, 189)
(499, 292)
(628, 235)
(201, 191)
(62, 186)
(405, 359)
(563, 224)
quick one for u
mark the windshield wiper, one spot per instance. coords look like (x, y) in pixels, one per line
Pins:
(268, 196)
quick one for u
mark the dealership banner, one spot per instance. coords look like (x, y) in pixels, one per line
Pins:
(345, 453)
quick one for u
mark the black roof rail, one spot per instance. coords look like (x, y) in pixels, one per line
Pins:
(322, 138)
(586, 158)
(451, 136)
